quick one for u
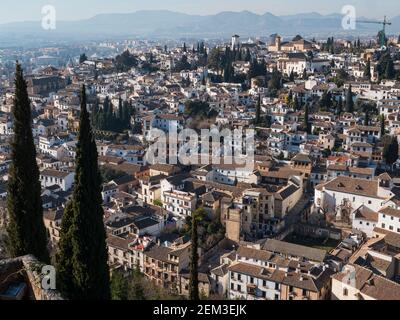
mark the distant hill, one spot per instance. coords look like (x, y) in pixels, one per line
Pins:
(162, 24)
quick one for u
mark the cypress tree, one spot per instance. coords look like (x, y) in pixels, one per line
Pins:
(95, 114)
(258, 110)
(247, 56)
(26, 231)
(65, 253)
(340, 106)
(306, 119)
(296, 104)
(305, 76)
(366, 119)
(349, 101)
(367, 70)
(291, 76)
(120, 114)
(390, 72)
(194, 258)
(390, 150)
(89, 279)
(382, 122)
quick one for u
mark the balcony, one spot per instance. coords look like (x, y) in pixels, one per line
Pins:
(252, 289)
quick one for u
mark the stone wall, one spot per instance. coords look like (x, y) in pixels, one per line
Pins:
(28, 269)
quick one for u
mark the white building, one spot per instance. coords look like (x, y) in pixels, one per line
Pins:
(359, 283)
(63, 179)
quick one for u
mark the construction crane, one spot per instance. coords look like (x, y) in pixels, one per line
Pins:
(382, 33)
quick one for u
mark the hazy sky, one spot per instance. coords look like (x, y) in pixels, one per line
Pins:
(20, 10)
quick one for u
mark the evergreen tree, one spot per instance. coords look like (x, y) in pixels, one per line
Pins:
(126, 115)
(306, 119)
(349, 101)
(194, 258)
(184, 47)
(296, 104)
(385, 67)
(340, 106)
(247, 56)
(366, 119)
(390, 150)
(367, 70)
(136, 290)
(120, 120)
(291, 76)
(382, 125)
(82, 58)
(89, 279)
(26, 230)
(95, 114)
(326, 101)
(275, 83)
(289, 98)
(65, 253)
(390, 72)
(258, 110)
(118, 286)
(305, 76)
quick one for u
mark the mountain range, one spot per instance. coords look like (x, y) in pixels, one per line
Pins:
(168, 24)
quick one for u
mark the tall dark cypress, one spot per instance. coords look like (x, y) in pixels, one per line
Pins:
(349, 101)
(382, 125)
(26, 230)
(194, 260)
(258, 110)
(65, 253)
(89, 279)
(306, 119)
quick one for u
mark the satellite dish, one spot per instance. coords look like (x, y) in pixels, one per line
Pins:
(383, 48)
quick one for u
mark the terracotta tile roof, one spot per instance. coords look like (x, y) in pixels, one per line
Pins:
(354, 186)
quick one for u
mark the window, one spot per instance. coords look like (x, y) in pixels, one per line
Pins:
(304, 292)
(345, 292)
(239, 287)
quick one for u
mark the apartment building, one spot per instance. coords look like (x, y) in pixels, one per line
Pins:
(179, 203)
(279, 271)
(164, 264)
